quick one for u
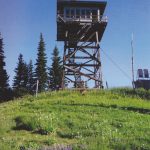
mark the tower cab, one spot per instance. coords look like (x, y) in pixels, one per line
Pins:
(82, 17)
(86, 11)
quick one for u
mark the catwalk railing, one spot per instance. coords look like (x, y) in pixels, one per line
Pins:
(93, 18)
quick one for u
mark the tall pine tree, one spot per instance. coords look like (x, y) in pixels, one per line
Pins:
(25, 76)
(55, 72)
(31, 80)
(4, 79)
(41, 68)
(21, 77)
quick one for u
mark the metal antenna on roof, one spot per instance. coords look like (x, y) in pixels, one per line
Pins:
(132, 61)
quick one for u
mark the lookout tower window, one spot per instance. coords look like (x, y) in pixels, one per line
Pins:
(94, 15)
(88, 13)
(77, 13)
(72, 13)
(67, 14)
(83, 13)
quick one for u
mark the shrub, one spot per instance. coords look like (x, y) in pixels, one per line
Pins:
(67, 134)
(37, 123)
(29, 145)
(69, 123)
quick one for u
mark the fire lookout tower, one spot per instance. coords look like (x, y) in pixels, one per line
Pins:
(80, 25)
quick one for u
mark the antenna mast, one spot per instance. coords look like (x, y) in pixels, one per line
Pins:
(132, 62)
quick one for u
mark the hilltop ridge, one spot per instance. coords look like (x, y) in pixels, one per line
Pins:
(95, 120)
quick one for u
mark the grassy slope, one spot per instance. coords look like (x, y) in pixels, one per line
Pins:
(96, 120)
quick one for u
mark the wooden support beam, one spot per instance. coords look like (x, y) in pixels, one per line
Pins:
(81, 73)
(80, 65)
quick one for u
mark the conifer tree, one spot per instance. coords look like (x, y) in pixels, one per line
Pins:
(41, 68)
(25, 76)
(31, 80)
(55, 72)
(21, 77)
(4, 79)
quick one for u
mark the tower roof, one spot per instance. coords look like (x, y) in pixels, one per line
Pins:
(72, 3)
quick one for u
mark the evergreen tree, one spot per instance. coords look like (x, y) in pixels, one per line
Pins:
(55, 72)
(41, 69)
(3, 74)
(31, 80)
(21, 77)
(4, 79)
(25, 76)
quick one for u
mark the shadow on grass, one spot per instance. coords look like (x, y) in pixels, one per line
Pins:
(133, 109)
(31, 124)
(20, 125)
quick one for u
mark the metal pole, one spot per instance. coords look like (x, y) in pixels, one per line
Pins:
(132, 62)
(107, 85)
(37, 87)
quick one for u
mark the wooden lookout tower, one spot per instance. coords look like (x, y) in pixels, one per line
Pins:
(80, 25)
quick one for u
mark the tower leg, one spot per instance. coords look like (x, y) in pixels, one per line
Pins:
(98, 84)
(64, 61)
(63, 71)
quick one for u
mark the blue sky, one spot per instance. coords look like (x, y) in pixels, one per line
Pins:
(22, 21)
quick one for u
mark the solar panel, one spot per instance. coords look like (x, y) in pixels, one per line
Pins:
(140, 73)
(146, 73)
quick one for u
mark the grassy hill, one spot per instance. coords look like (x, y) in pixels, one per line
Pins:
(93, 120)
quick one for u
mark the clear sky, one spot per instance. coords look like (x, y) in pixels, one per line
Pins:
(22, 21)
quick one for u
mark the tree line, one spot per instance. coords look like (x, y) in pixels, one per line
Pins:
(27, 74)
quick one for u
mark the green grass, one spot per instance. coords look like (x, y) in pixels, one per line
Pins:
(97, 120)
